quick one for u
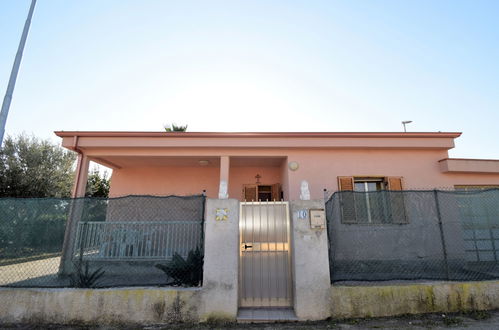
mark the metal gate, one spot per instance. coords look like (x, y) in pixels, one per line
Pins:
(265, 278)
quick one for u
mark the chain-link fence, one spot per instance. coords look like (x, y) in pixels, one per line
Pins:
(412, 235)
(101, 242)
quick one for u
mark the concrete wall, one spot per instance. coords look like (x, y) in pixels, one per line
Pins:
(164, 305)
(221, 261)
(103, 306)
(311, 264)
(399, 299)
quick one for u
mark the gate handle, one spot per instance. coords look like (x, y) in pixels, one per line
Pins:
(247, 246)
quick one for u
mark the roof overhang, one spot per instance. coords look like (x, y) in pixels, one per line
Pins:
(104, 147)
(74, 140)
(258, 134)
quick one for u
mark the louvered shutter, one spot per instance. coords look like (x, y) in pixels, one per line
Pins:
(250, 193)
(276, 192)
(394, 183)
(347, 199)
(396, 200)
(345, 183)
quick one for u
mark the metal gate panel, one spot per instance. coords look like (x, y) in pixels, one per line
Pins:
(265, 255)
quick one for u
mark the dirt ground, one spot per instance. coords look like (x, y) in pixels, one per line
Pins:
(471, 320)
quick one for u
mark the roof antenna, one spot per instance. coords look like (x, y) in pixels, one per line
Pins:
(405, 122)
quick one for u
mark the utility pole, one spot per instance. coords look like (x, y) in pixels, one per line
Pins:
(13, 74)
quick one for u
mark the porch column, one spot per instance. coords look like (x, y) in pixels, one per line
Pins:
(74, 214)
(224, 177)
(80, 183)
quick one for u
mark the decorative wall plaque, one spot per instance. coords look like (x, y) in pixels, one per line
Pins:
(221, 214)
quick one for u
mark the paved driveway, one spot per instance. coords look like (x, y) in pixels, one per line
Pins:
(32, 273)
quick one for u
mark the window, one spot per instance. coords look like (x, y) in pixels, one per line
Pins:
(370, 207)
(372, 200)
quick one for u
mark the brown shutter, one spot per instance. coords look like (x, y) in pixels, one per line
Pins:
(394, 183)
(250, 193)
(345, 183)
(276, 192)
(347, 199)
(396, 200)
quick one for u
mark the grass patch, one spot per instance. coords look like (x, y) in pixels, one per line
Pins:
(451, 321)
(478, 315)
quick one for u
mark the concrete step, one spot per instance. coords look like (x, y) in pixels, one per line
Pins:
(254, 315)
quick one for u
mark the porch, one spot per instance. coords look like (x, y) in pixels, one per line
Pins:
(245, 178)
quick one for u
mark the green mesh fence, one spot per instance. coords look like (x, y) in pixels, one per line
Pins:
(100, 242)
(412, 235)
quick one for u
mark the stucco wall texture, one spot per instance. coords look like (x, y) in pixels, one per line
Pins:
(398, 299)
(420, 169)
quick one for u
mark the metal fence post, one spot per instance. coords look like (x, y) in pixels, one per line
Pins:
(442, 236)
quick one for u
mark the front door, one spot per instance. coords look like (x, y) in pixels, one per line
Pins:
(265, 256)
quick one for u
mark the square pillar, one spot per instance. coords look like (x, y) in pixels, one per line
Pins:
(221, 261)
(81, 177)
(223, 192)
(75, 213)
(312, 284)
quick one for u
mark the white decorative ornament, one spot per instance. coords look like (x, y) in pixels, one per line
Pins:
(222, 192)
(304, 191)
(293, 166)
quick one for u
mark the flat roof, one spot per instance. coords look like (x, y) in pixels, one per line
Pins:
(163, 134)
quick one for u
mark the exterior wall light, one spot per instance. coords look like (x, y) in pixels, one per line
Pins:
(293, 166)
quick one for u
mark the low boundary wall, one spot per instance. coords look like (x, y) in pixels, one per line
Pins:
(166, 305)
(413, 298)
(99, 306)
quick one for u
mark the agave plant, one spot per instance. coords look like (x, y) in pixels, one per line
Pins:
(83, 277)
(186, 272)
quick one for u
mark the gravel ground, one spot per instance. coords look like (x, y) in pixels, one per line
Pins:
(474, 320)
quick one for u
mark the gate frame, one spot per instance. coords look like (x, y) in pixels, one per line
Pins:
(290, 258)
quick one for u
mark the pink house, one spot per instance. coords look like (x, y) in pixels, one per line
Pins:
(267, 230)
(271, 166)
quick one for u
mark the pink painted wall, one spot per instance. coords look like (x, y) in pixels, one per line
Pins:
(285, 179)
(419, 168)
(246, 175)
(162, 181)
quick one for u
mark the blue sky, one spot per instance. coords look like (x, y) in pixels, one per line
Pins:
(257, 66)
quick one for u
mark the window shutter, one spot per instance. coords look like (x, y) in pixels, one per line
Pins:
(250, 193)
(396, 200)
(345, 183)
(394, 183)
(276, 192)
(347, 199)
